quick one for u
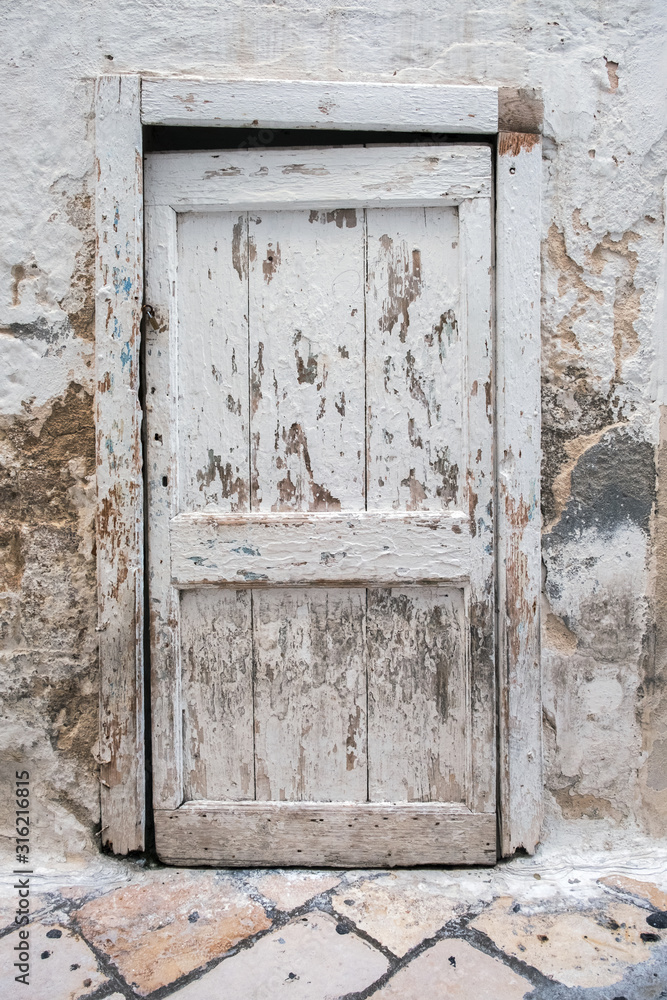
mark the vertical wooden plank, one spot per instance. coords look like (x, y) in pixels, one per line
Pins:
(417, 704)
(307, 424)
(213, 431)
(310, 694)
(213, 458)
(416, 346)
(414, 360)
(306, 352)
(216, 665)
(518, 418)
(477, 320)
(161, 414)
(119, 523)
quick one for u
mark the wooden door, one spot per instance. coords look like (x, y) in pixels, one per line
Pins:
(320, 456)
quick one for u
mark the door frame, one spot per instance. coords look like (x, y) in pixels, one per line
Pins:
(123, 104)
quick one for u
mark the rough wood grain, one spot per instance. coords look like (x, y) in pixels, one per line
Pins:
(518, 462)
(417, 695)
(315, 104)
(320, 835)
(352, 178)
(119, 522)
(217, 695)
(212, 359)
(310, 694)
(336, 549)
(161, 414)
(306, 311)
(214, 471)
(415, 359)
(478, 414)
(306, 298)
(520, 110)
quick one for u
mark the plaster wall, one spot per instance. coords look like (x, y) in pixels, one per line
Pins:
(602, 71)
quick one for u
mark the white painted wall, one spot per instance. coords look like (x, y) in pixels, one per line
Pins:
(602, 70)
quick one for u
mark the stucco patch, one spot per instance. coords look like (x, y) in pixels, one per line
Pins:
(612, 483)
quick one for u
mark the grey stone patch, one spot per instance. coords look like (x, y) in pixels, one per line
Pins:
(612, 483)
(40, 329)
(647, 981)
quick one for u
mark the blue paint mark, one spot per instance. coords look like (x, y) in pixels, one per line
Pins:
(532, 510)
(247, 550)
(116, 329)
(489, 549)
(108, 444)
(117, 252)
(121, 285)
(125, 355)
(250, 577)
(116, 217)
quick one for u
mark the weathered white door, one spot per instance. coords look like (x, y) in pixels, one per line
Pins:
(320, 454)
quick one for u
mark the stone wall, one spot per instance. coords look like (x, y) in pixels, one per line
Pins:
(602, 73)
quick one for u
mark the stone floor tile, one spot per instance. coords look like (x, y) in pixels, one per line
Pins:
(291, 889)
(454, 969)
(576, 948)
(62, 966)
(633, 887)
(399, 909)
(173, 923)
(305, 960)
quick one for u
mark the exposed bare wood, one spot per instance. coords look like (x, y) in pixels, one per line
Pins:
(336, 834)
(314, 178)
(306, 315)
(323, 548)
(518, 462)
(415, 360)
(417, 704)
(477, 321)
(306, 311)
(119, 526)
(161, 497)
(212, 361)
(217, 697)
(520, 110)
(320, 105)
(511, 143)
(310, 694)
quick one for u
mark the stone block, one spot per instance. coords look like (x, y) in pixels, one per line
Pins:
(577, 948)
(399, 909)
(305, 960)
(454, 969)
(175, 922)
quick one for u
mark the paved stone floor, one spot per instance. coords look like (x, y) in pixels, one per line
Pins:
(588, 927)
